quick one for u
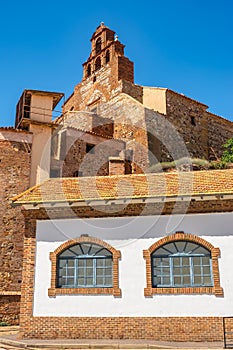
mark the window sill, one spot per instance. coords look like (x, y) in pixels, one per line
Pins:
(218, 292)
(116, 292)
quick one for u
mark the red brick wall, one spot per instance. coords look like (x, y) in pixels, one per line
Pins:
(204, 329)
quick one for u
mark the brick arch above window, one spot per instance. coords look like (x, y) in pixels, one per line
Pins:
(216, 289)
(116, 255)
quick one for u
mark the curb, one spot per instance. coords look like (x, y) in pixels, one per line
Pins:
(19, 344)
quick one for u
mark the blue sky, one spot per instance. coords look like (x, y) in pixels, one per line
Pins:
(186, 46)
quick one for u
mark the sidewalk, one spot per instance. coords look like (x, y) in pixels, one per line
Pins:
(9, 336)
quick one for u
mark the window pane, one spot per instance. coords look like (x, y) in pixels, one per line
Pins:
(197, 280)
(206, 270)
(186, 280)
(70, 281)
(156, 281)
(100, 272)
(70, 272)
(180, 246)
(80, 271)
(108, 262)
(164, 262)
(190, 247)
(201, 250)
(207, 280)
(100, 262)
(104, 252)
(99, 281)
(196, 260)
(186, 270)
(166, 281)
(206, 260)
(70, 262)
(62, 281)
(108, 271)
(89, 262)
(170, 248)
(176, 261)
(89, 281)
(108, 281)
(185, 261)
(177, 280)
(81, 281)
(177, 271)
(81, 262)
(165, 271)
(197, 270)
(62, 263)
(160, 251)
(89, 272)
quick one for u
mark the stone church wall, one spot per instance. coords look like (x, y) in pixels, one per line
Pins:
(189, 118)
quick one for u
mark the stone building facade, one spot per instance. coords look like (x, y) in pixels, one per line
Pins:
(109, 125)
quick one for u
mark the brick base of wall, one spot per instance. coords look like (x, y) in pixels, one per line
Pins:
(9, 309)
(204, 329)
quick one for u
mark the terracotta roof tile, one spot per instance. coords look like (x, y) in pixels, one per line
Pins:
(57, 190)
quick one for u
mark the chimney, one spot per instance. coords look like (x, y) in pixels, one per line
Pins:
(116, 166)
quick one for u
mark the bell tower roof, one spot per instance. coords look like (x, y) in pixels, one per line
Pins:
(103, 28)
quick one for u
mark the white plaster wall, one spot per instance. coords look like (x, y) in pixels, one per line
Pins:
(41, 108)
(131, 236)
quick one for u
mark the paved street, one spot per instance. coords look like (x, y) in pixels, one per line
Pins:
(9, 340)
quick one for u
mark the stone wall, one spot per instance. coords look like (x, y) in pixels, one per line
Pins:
(189, 118)
(15, 148)
(85, 154)
(219, 130)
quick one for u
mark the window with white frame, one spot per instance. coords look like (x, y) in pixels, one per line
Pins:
(181, 264)
(84, 265)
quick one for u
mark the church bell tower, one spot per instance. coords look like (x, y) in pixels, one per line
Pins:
(108, 51)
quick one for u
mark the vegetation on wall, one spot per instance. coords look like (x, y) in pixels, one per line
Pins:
(227, 156)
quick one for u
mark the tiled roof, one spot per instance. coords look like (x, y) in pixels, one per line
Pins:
(11, 128)
(197, 183)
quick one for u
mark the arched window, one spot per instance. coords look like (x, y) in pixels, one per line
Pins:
(181, 264)
(88, 70)
(98, 63)
(85, 265)
(98, 46)
(107, 57)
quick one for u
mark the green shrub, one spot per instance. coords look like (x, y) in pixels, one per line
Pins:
(227, 156)
(3, 323)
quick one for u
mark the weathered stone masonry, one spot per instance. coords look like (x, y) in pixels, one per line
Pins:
(15, 149)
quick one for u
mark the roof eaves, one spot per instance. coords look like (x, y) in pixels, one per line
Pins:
(124, 200)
